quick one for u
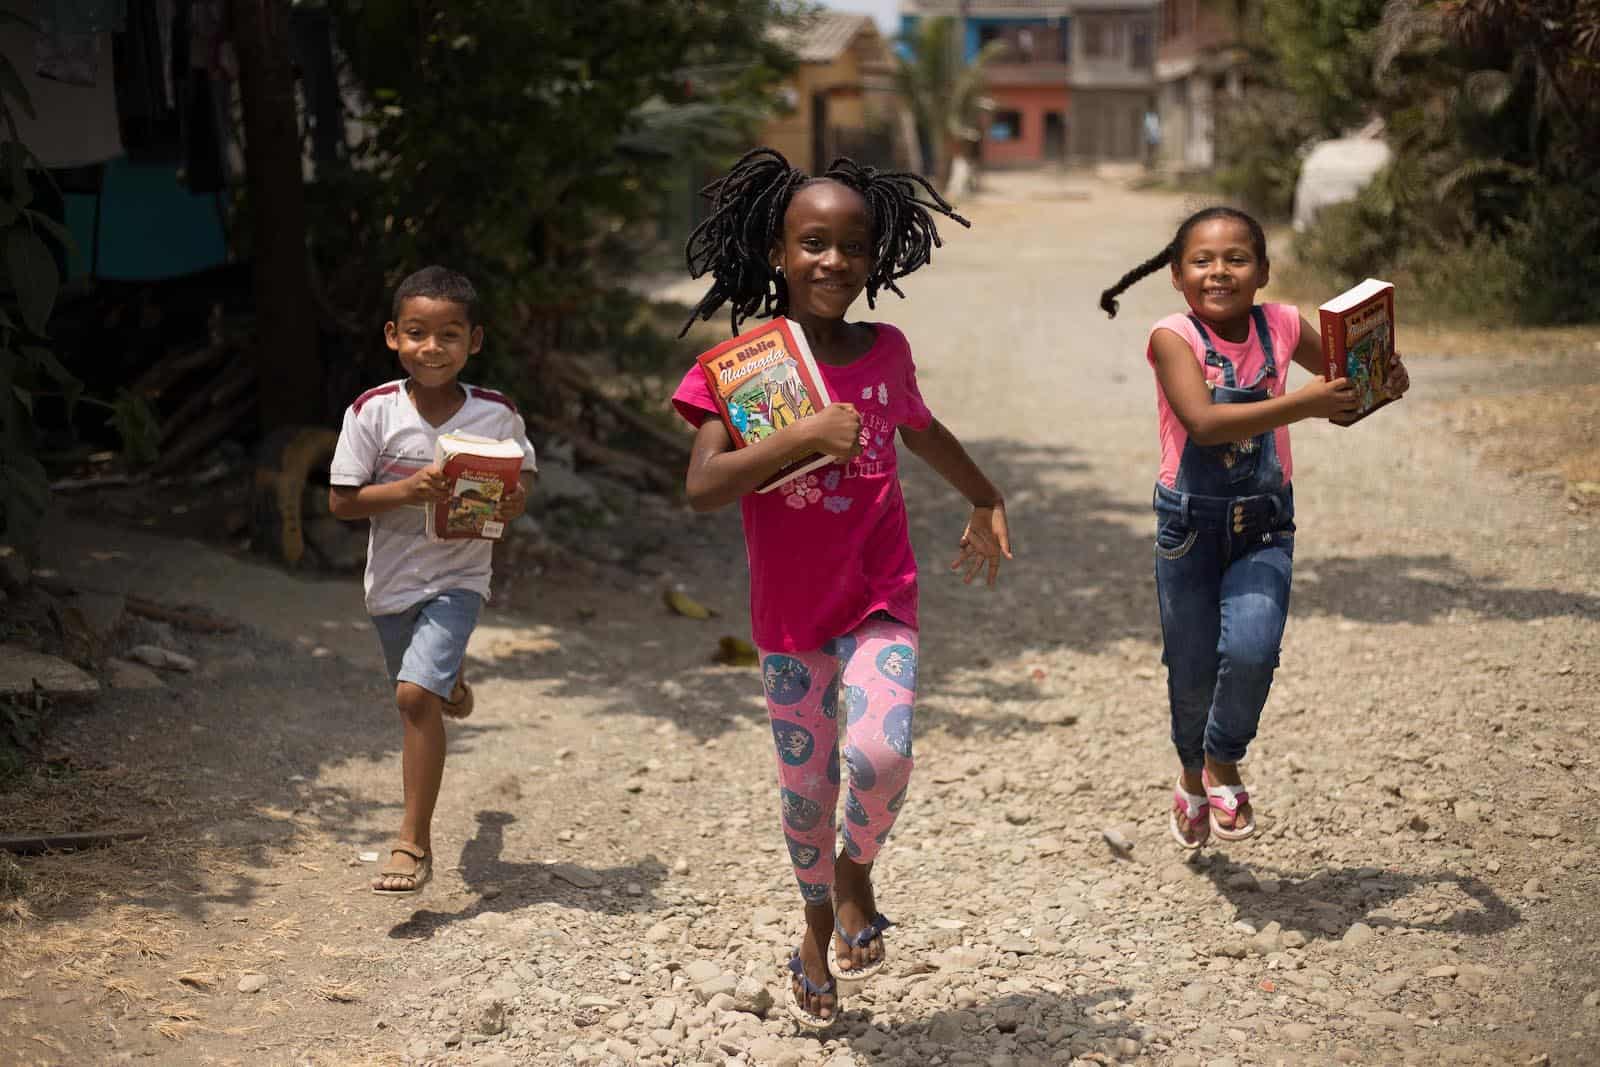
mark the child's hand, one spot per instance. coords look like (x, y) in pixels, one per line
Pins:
(1396, 377)
(513, 504)
(836, 431)
(426, 486)
(986, 539)
(1329, 400)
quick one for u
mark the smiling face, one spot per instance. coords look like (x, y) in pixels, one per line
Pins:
(434, 339)
(826, 250)
(1220, 270)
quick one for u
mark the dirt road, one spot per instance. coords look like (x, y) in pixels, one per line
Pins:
(612, 886)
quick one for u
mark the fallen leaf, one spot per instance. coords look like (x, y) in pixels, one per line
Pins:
(736, 652)
(685, 605)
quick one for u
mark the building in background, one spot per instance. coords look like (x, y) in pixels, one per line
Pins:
(1113, 79)
(841, 100)
(1199, 65)
(1075, 79)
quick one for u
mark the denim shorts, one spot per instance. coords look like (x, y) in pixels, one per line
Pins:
(425, 643)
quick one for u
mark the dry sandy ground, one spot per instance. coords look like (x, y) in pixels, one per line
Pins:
(611, 883)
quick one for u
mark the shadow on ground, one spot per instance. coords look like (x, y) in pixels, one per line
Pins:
(1031, 1024)
(1327, 903)
(501, 886)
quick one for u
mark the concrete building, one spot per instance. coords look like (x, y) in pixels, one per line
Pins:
(1073, 83)
(1199, 66)
(841, 101)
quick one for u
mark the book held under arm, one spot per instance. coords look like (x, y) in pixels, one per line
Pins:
(1358, 343)
(480, 472)
(763, 380)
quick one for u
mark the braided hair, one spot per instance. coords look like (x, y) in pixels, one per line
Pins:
(1174, 251)
(734, 243)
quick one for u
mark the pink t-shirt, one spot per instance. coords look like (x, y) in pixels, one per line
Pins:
(831, 547)
(1247, 357)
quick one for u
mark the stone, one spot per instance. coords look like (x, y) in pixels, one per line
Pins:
(1293, 939)
(1443, 971)
(488, 1015)
(21, 669)
(663, 1012)
(1299, 1031)
(752, 996)
(722, 985)
(252, 983)
(162, 658)
(701, 971)
(573, 875)
(1358, 934)
(121, 674)
(766, 916)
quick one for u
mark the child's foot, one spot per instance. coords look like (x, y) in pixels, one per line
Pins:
(1232, 817)
(818, 1004)
(856, 909)
(1190, 820)
(407, 871)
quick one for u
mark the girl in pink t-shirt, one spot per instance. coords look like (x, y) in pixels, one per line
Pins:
(1223, 500)
(833, 582)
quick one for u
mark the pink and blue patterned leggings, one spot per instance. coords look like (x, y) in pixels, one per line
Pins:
(870, 677)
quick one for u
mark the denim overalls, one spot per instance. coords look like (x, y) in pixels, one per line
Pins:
(1224, 552)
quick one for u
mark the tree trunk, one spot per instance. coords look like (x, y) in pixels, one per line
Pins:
(288, 365)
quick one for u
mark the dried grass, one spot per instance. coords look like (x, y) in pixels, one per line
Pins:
(339, 994)
(1555, 431)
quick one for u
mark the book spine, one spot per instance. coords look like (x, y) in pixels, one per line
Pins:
(1332, 344)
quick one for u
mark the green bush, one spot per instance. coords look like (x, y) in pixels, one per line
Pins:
(1556, 245)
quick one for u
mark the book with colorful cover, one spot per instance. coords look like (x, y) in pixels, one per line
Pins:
(481, 472)
(763, 380)
(1358, 341)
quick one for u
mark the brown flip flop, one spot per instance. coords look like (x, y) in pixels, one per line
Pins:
(420, 871)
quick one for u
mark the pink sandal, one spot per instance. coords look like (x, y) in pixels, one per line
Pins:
(1228, 798)
(1192, 806)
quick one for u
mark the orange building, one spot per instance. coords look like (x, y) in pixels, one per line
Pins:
(841, 101)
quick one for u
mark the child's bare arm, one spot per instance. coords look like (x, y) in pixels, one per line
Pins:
(1308, 353)
(719, 474)
(987, 538)
(362, 502)
(1214, 424)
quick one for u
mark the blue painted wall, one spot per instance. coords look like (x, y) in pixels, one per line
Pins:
(976, 25)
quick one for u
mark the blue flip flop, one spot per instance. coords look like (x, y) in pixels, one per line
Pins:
(861, 939)
(808, 1019)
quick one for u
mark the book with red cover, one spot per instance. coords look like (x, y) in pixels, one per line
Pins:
(1358, 341)
(762, 381)
(480, 471)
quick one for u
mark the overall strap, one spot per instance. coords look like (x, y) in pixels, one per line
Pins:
(1213, 357)
(1270, 368)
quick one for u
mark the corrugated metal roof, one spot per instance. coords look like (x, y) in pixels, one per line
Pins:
(823, 38)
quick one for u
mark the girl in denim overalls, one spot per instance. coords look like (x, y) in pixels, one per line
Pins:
(1223, 501)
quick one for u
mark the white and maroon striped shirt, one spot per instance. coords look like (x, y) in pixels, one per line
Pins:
(383, 440)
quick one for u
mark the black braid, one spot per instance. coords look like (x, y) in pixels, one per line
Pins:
(748, 204)
(1174, 251)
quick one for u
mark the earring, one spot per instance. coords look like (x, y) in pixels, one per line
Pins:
(779, 270)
